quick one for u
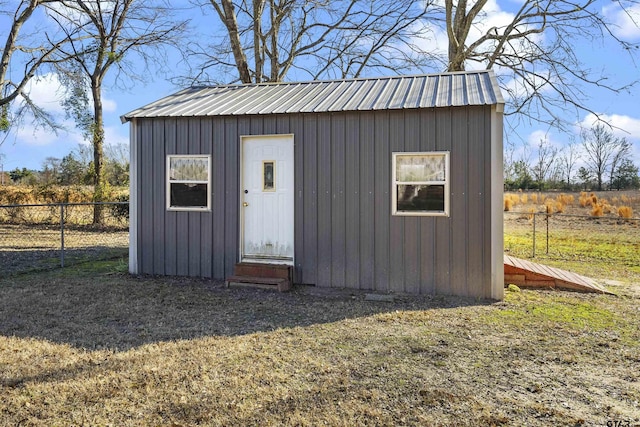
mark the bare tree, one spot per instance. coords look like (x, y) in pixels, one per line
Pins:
(26, 51)
(535, 53)
(621, 154)
(265, 39)
(568, 158)
(546, 159)
(114, 33)
(601, 148)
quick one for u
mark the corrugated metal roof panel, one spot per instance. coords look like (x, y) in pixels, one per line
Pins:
(402, 92)
(414, 93)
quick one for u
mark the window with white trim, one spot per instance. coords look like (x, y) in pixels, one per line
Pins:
(420, 183)
(188, 182)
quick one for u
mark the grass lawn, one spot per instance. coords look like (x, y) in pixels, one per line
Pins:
(90, 345)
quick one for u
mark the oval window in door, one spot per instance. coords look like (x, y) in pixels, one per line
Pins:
(268, 175)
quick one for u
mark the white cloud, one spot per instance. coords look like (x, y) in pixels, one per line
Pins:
(109, 105)
(626, 20)
(621, 126)
(46, 137)
(518, 88)
(39, 137)
(435, 39)
(540, 135)
(45, 91)
(113, 135)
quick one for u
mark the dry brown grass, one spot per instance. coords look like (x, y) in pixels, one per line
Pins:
(596, 210)
(601, 204)
(566, 199)
(101, 348)
(508, 204)
(625, 212)
(48, 212)
(21, 195)
(587, 200)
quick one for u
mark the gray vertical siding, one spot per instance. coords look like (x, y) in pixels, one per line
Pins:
(345, 235)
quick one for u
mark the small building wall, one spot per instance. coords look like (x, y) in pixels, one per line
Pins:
(345, 235)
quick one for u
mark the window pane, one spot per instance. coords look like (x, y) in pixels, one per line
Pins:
(418, 168)
(420, 198)
(188, 169)
(268, 180)
(188, 195)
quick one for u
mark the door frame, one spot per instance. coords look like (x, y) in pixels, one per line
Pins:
(241, 257)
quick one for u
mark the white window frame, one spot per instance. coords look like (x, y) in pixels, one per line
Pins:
(169, 181)
(395, 183)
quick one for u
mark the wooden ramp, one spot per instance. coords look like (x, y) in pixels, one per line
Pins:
(529, 274)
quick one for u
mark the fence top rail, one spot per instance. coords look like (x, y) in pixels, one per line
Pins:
(561, 215)
(63, 204)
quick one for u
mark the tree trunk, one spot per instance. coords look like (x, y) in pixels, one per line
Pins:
(228, 16)
(258, 47)
(100, 186)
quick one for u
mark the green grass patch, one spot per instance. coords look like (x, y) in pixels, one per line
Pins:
(614, 255)
(528, 308)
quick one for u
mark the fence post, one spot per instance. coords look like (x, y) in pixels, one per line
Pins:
(533, 254)
(547, 234)
(62, 235)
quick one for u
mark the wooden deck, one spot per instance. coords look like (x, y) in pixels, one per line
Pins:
(529, 274)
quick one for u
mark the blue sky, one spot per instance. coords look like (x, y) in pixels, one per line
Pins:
(29, 147)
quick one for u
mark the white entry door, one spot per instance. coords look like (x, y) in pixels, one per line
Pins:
(267, 198)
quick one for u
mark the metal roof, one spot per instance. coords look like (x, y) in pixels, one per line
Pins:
(367, 94)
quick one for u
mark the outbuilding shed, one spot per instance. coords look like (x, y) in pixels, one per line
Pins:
(384, 184)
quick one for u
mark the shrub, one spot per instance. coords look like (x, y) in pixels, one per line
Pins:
(508, 203)
(596, 210)
(565, 199)
(11, 195)
(583, 200)
(534, 198)
(531, 214)
(549, 207)
(625, 212)
(524, 199)
(120, 212)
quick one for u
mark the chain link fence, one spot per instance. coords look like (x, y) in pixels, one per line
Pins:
(565, 237)
(46, 236)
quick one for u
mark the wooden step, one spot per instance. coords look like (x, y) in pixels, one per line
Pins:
(272, 283)
(275, 271)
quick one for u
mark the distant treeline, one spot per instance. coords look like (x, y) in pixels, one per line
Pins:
(76, 168)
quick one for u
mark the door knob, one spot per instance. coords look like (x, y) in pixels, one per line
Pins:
(245, 204)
